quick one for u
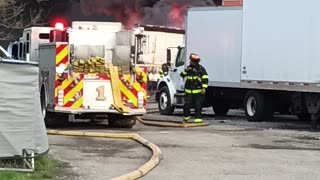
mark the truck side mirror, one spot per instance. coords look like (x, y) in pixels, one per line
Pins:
(168, 56)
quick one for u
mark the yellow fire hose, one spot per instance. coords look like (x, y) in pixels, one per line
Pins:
(154, 160)
(169, 123)
(138, 173)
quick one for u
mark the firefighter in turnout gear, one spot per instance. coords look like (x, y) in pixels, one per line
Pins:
(164, 70)
(195, 88)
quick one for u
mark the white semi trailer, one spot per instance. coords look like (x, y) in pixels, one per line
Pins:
(263, 57)
(156, 40)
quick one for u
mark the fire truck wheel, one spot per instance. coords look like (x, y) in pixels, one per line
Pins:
(56, 119)
(43, 103)
(164, 102)
(47, 116)
(119, 121)
(48, 119)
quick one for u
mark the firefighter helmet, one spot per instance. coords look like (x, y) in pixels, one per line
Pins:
(194, 57)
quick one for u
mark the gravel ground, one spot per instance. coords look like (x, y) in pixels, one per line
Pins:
(230, 148)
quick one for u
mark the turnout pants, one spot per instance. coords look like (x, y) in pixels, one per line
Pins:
(193, 100)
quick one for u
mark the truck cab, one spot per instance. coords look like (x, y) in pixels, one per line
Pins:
(171, 87)
(26, 49)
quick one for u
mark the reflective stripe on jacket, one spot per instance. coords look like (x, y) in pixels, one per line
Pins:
(162, 74)
(197, 79)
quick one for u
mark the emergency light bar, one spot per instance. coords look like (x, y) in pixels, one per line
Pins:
(59, 26)
(58, 34)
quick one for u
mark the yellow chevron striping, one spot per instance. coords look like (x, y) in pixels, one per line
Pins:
(128, 94)
(56, 88)
(140, 70)
(62, 55)
(137, 86)
(144, 75)
(72, 92)
(78, 103)
(66, 83)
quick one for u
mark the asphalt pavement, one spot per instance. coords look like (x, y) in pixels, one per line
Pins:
(230, 148)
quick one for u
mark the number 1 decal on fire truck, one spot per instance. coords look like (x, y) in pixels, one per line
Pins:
(100, 91)
(97, 94)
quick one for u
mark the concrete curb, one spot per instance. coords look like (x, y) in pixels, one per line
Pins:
(169, 123)
(138, 173)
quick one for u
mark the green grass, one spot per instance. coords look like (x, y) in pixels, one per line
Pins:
(46, 168)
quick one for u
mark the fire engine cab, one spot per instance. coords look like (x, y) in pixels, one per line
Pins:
(87, 70)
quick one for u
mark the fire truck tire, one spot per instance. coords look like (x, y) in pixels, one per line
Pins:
(43, 101)
(164, 103)
(119, 121)
(48, 119)
(51, 118)
(47, 116)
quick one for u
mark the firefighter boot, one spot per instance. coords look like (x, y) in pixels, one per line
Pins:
(198, 120)
(186, 119)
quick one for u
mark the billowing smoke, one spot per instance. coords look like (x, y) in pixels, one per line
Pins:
(157, 12)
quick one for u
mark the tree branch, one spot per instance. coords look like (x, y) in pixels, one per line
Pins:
(19, 14)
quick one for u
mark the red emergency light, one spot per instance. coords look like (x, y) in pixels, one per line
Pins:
(59, 26)
(59, 33)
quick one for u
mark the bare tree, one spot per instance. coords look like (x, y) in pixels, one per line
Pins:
(16, 15)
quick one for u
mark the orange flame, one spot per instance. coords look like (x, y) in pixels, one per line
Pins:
(176, 15)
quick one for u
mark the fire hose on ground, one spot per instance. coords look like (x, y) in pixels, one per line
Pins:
(138, 173)
(168, 123)
(154, 160)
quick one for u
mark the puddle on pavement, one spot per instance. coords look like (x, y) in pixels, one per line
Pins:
(308, 138)
(271, 147)
(237, 130)
(98, 146)
(101, 152)
(171, 146)
(283, 141)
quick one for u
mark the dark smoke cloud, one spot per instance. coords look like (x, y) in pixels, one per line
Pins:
(125, 11)
(157, 12)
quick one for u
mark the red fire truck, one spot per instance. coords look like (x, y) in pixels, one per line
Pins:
(87, 71)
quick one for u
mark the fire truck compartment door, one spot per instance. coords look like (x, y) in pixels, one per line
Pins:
(97, 94)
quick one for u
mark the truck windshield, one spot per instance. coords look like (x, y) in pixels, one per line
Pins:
(181, 57)
(3, 54)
